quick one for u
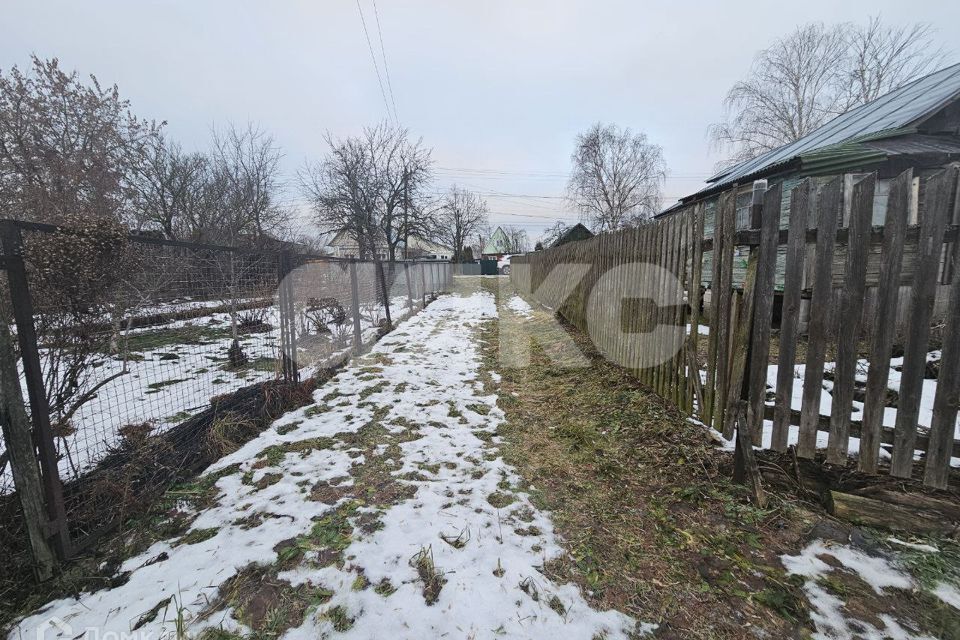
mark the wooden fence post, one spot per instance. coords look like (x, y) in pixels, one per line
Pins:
(801, 201)
(933, 222)
(423, 284)
(848, 327)
(829, 204)
(23, 461)
(22, 305)
(888, 288)
(766, 217)
(355, 307)
(737, 387)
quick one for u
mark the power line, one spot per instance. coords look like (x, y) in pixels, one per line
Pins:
(386, 69)
(539, 174)
(373, 57)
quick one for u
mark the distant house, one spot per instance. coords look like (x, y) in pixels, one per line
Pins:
(574, 233)
(497, 245)
(422, 249)
(344, 245)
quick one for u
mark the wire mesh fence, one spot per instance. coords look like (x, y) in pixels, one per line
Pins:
(135, 338)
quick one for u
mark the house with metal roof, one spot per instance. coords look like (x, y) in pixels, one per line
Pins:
(917, 125)
(914, 127)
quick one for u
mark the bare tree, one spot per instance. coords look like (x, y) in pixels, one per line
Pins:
(517, 239)
(173, 190)
(553, 232)
(883, 58)
(370, 187)
(343, 191)
(461, 215)
(69, 151)
(245, 186)
(617, 177)
(814, 74)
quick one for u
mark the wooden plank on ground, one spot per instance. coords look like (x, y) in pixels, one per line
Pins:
(801, 200)
(883, 514)
(818, 329)
(891, 261)
(933, 221)
(763, 310)
(848, 329)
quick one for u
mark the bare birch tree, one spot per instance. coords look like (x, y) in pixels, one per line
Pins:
(554, 232)
(617, 177)
(883, 58)
(814, 74)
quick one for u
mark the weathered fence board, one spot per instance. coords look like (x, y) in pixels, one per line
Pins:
(819, 326)
(875, 397)
(932, 226)
(801, 202)
(841, 282)
(763, 311)
(848, 320)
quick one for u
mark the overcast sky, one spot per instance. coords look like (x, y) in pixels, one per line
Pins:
(498, 89)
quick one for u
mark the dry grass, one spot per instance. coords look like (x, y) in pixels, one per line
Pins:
(642, 497)
(431, 576)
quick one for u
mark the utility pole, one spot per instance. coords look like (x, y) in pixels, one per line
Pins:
(406, 220)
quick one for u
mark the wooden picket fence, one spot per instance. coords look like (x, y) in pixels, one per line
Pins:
(833, 267)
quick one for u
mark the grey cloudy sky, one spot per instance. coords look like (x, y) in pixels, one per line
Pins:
(498, 89)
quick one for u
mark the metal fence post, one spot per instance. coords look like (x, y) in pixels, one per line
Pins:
(56, 526)
(423, 285)
(288, 327)
(406, 273)
(355, 307)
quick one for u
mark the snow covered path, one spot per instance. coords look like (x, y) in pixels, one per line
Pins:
(381, 511)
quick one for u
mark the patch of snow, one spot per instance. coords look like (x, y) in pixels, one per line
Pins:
(453, 471)
(827, 611)
(949, 594)
(520, 306)
(914, 545)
